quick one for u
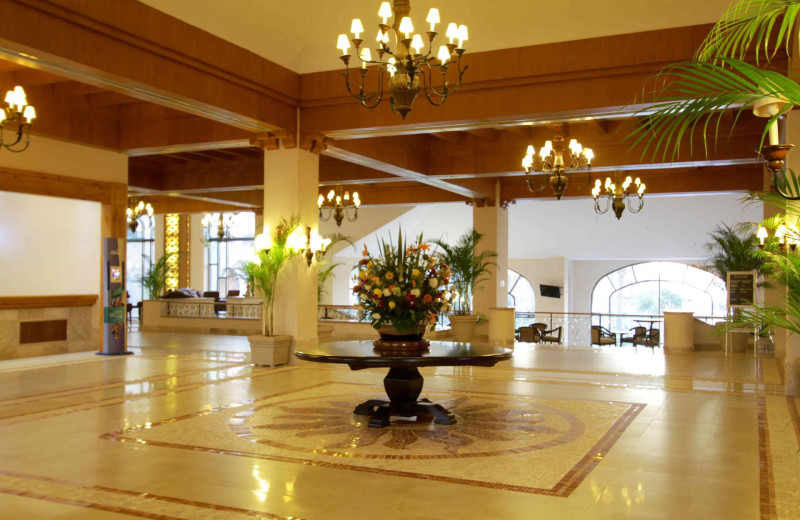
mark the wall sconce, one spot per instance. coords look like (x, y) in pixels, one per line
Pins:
(787, 237)
(310, 246)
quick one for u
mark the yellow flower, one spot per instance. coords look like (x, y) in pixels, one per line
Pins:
(390, 275)
(392, 305)
(377, 292)
(370, 265)
(415, 272)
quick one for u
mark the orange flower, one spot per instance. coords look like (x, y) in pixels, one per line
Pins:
(427, 298)
(424, 247)
(365, 252)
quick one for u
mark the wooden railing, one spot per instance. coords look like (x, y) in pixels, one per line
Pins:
(41, 302)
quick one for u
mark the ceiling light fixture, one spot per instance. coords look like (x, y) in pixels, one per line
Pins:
(409, 70)
(136, 212)
(219, 222)
(550, 160)
(616, 194)
(339, 206)
(18, 109)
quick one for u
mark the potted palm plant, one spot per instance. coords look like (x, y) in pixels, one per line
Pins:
(155, 280)
(469, 269)
(272, 254)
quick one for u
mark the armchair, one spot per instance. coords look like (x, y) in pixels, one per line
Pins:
(550, 336)
(602, 336)
(532, 333)
(637, 338)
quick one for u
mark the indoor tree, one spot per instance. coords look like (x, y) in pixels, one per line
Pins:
(734, 249)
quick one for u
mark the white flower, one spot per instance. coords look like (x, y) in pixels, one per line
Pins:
(396, 291)
(375, 316)
(363, 296)
(434, 282)
(415, 293)
(368, 287)
(387, 292)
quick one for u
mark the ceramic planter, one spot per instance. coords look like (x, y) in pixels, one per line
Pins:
(270, 350)
(463, 326)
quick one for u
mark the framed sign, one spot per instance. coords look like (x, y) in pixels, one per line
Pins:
(741, 288)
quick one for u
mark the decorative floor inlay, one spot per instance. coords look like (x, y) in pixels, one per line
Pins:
(528, 444)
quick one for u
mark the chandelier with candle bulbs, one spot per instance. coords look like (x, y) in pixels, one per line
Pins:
(339, 206)
(409, 70)
(136, 212)
(617, 194)
(18, 109)
(217, 226)
(551, 160)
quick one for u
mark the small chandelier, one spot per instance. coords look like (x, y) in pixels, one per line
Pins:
(18, 109)
(136, 212)
(551, 160)
(616, 195)
(219, 223)
(339, 206)
(305, 243)
(406, 68)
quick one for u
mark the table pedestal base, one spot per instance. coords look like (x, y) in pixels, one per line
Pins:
(403, 386)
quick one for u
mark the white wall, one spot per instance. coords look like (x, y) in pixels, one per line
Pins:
(565, 243)
(48, 246)
(71, 160)
(548, 271)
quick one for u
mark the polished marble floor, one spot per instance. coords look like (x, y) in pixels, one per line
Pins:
(187, 429)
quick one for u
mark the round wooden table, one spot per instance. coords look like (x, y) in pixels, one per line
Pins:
(403, 383)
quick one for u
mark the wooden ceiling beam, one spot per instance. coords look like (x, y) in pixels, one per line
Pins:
(127, 46)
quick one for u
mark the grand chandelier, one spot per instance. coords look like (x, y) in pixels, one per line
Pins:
(409, 70)
(617, 194)
(217, 225)
(339, 206)
(137, 212)
(18, 109)
(551, 160)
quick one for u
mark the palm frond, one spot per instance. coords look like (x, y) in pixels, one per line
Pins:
(692, 97)
(765, 25)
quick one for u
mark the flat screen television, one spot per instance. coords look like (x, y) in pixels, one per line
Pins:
(550, 291)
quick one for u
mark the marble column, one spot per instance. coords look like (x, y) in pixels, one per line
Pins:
(492, 222)
(291, 178)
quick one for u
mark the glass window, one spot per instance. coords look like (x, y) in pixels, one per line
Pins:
(139, 254)
(658, 287)
(224, 256)
(521, 295)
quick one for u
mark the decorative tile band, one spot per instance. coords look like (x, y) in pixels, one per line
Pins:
(766, 483)
(102, 498)
(113, 401)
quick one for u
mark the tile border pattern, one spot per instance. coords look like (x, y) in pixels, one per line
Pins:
(766, 482)
(568, 483)
(128, 493)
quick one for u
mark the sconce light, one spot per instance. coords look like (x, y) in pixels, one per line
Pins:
(310, 246)
(786, 237)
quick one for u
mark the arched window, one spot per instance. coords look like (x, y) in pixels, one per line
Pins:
(655, 287)
(520, 293)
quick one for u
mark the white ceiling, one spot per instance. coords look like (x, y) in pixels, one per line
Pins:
(301, 34)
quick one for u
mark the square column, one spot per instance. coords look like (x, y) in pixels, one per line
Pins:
(291, 178)
(492, 223)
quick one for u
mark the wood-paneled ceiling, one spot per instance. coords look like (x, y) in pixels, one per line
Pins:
(185, 106)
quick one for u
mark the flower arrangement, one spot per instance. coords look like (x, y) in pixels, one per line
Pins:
(404, 286)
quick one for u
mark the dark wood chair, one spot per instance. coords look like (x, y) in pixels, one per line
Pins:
(550, 336)
(531, 333)
(602, 336)
(637, 338)
(652, 339)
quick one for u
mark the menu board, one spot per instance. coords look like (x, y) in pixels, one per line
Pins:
(741, 288)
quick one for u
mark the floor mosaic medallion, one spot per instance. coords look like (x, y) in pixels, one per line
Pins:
(527, 444)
